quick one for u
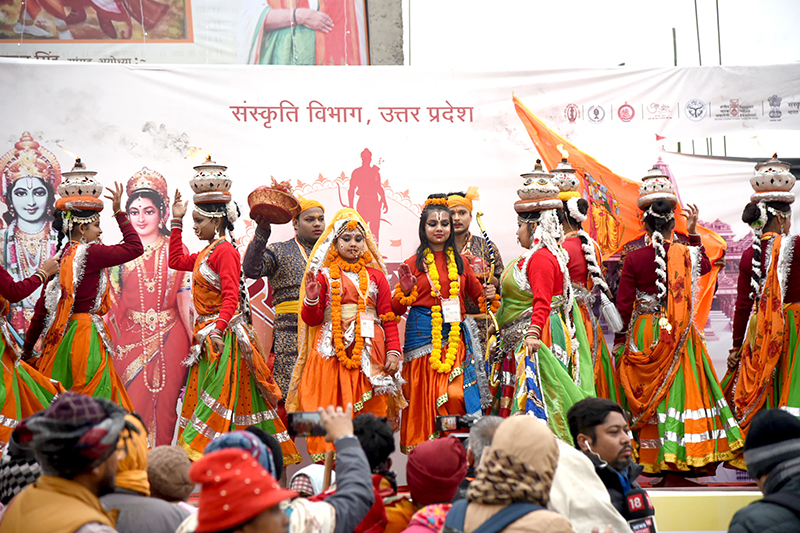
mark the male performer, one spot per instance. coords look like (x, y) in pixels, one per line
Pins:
(284, 263)
(474, 250)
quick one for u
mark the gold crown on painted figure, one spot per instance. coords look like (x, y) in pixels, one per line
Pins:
(538, 191)
(80, 189)
(656, 186)
(210, 183)
(773, 182)
(29, 159)
(147, 179)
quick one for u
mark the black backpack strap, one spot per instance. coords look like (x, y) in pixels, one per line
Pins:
(454, 522)
(786, 500)
(497, 523)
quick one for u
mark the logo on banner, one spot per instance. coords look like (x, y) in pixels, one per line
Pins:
(735, 110)
(572, 112)
(774, 106)
(657, 111)
(596, 114)
(696, 110)
(626, 112)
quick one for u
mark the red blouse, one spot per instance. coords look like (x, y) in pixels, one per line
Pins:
(15, 291)
(639, 274)
(578, 271)
(744, 304)
(98, 258)
(313, 316)
(469, 285)
(224, 260)
(546, 280)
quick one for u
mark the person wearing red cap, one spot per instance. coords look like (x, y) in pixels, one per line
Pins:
(435, 469)
(233, 475)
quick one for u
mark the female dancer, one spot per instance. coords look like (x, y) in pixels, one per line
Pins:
(24, 390)
(586, 274)
(230, 386)
(77, 349)
(547, 366)
(764, 352)
(678, 413)
(349, 343)
(444, 370)
(152, 327)
(31, 174)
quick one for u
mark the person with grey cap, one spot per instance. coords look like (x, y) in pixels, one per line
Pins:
(75, 443)
(772, 455)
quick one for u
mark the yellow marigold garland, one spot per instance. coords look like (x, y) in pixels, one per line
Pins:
(337, 264)
(389, 317)
(436, 313)
(402, 298)
(495, 304)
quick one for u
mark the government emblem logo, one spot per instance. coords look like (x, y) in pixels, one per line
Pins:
(572, 112)
(696, 110)
(626, 112)
(774, 106)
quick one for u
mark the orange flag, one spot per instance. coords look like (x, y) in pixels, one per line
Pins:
(614, 212)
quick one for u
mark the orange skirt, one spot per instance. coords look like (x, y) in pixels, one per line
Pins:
(430, 394)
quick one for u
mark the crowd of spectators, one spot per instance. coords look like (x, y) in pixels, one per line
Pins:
(83, 466)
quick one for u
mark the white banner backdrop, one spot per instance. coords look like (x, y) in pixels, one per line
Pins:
(427, 131)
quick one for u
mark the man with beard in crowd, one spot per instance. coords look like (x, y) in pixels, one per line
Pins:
(601, 431)
(75, 443)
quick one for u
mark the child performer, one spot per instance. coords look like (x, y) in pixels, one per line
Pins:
(77, 348)
(349, 344)
(230, 386)
(444, 370)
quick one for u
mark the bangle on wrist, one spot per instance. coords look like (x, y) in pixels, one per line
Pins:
(309, 302)
(117, 212)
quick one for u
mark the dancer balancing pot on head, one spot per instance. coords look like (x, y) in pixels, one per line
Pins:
(283, 263)
(678, 413)
(444, 368)
(587, 276)
(230, 386)
(151, 322)
(24, 390)
(546, 365)
(349, 344)
(767, 315)
(77, 349)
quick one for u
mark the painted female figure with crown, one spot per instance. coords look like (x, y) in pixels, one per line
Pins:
(31, 174)
(586, 275)
(151, 325)
(444, 370)
(678, 413)
(77, 349)
(547, 366)
(349, 343)
(766, 320)
(230, 386)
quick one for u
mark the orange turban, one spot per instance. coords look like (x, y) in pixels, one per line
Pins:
(306, 204)
(466, 200)
(132, 470)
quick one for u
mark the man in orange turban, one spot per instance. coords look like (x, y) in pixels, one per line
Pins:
(284, 264)
(474, 250)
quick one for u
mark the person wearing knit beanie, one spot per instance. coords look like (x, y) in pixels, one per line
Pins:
(772, 455)
(168, 472)
(434, 470)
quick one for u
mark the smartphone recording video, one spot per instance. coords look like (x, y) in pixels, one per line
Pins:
(305, 425)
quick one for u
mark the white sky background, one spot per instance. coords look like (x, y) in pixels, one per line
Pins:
(535, 35)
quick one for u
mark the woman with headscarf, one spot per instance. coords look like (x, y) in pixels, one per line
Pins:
(518, 467)
(151, 324)
(229, 385)
(546, 365)
(137, 511)
(679, 415)
(586, 275)
(77, 349)
(349, 344)
(444, 369)
(766, 321)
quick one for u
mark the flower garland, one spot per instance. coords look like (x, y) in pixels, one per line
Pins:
(402, 298)
(389, 317)
(493, 307)
(337, 264)
(436, 313)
